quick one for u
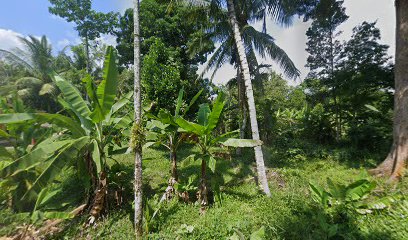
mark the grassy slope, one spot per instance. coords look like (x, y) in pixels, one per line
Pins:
(289, 214)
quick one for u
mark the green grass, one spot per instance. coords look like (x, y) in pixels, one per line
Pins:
(289, 214)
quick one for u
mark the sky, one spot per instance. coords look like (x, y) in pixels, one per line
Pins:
(29, 17)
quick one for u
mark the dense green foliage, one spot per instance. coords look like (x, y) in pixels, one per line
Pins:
(66, 135)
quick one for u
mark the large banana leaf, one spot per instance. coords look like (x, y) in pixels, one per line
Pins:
(96, 156)
(16, 117)
(179, 102)
(203, 113)
(122, 102)
(215, 114)
(106, 91)
(358, 189)
(42, 151)
(192, 101)
(234, 142)
(224, 137)
(56, 164)
(74, 102)
(58, 119)
(190, 127)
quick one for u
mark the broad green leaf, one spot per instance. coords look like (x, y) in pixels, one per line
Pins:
(358, 189)
(90, 89)
(192, 101)
(61, 121)
(48, 197)
(179, 102)
(124, 150)
(156, 124)
(56, 164)
(16, 117)
(337, 191)
(203, 113)
(121, 123)
(86, 123)
(215, 114)
(96, 156)
(372, 108)
(237, 235)
(40, 198)
(58, 119)
(224, 137)
(74, 99)
(190, 127)
(148, 144)
(235, 142)
(381, 203)
(42, 152)
(106, 91)
(122, 102)
(151, 136)
(165, 117)
(258, 234)
(58, 215)
(212, 163)
(317, 193)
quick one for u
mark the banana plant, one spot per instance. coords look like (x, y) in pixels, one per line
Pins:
(163, 130)
(208, 141)
(83, 136)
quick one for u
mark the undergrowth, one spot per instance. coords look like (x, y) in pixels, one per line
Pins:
(289, 214)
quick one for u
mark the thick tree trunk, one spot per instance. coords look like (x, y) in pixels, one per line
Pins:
(396, 160)
(138, 120)
(250, 97)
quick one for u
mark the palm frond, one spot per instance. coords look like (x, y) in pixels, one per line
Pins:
(265, 45)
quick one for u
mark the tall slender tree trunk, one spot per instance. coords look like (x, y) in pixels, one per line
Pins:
(250, 96)
(138, 120)
(396, 160)
(242, 105)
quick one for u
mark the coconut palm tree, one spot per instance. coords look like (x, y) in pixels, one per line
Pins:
(36, 58)
(248, 11)
(260, 42)
(137, 127)
(245, 40)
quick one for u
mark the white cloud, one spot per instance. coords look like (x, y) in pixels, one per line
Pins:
(63, 43)
(108, 39)
(122, 5)
(9, 39)
(293, 39)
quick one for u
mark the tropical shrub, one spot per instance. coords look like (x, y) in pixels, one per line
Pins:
(205, 138)
(339, 202)
(86, 138)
